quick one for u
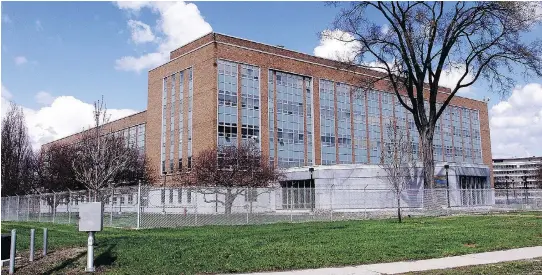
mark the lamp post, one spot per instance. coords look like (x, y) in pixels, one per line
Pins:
(311, 170)
(446, 167)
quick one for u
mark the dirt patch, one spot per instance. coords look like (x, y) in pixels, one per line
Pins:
(61, 261)
(470, 245)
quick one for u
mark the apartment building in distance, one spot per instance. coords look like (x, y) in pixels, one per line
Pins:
(303, 111)
(517, 173)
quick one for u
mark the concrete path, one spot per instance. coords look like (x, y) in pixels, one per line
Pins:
(421, 265)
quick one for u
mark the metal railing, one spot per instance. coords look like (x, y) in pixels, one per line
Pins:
(154, 207)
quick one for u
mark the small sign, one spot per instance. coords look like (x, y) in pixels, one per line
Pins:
(440, 180)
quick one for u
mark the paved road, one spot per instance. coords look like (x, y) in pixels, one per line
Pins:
(421, 265)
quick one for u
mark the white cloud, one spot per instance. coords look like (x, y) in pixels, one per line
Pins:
(516, 124)
(332, 46)
(141, 32)
(20, 60)
(178, 24)
(451, 75)
(39, 27)
(64, 116)
(44, 98)
(6, 19)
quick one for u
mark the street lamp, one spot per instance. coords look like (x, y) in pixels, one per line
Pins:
(446, 167)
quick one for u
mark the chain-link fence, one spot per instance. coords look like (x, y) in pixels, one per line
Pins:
(154, 207)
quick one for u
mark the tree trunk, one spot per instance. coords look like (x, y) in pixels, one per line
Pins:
(228, 201)
(428, 162)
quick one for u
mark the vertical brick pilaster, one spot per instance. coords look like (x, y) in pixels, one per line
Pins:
(367, 126)
(304, 123)
(239, 102)
(275, 139)
(336, 119)
(351, 94)
(316, 119)
(264, 111)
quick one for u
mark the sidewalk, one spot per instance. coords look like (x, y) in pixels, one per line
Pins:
(421, 265)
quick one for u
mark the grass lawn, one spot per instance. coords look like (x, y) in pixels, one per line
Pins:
(221, 249)
(525, 267)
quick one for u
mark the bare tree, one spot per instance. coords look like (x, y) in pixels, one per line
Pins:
(54, 172)
(398, 161)
(17, 156)
(227, 172)
(101, 158)
(417, 43)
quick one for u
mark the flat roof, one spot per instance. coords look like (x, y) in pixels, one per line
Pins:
(533, 158)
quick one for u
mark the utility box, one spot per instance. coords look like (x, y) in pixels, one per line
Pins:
(91, 217)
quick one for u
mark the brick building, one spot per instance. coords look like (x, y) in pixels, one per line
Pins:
(304, 111)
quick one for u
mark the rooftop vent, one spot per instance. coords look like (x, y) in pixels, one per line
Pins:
(280, 46)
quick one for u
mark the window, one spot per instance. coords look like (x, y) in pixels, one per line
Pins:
(121, 199)
(344, 124)
(327, 122)
(180, 195)
(131, 199)
(189, 195)
(171, 196)
(298, 194)
(250, 103)
(163, 196)
(289, 126)
(114, 200)
(227, 102)
(360, 126)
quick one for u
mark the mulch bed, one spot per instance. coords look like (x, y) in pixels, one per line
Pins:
(60, 261)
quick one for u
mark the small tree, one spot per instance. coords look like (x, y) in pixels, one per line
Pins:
(227, 172)
(54, 172)
(398, 161)
(102, 158)
(17, 156)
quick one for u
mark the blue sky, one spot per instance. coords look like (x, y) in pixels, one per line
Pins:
(57, 55)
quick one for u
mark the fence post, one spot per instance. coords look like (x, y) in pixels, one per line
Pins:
(196, 218)
(32, 236)
(111, 206)
(68, 206)
(12, 251)
(45, 241)
(138, 204)
(8, 199)
(28, 207)
(331, 201)
(365, 201)
(39, 208)
(246, 205)
(18, 207)
(53, 208)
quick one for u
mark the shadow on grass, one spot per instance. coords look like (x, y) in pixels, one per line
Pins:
(66, 263)
(106, 257)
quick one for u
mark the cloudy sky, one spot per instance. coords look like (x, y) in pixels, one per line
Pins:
(59, 57)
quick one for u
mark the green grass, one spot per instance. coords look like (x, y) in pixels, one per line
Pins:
(212, 249)
(525, 267)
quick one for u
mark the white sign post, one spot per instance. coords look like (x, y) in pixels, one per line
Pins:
(91, 221)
